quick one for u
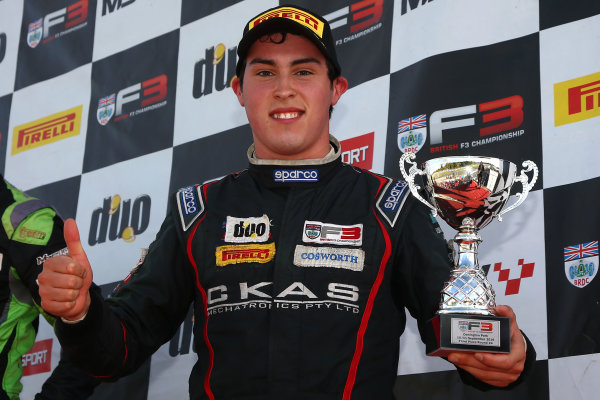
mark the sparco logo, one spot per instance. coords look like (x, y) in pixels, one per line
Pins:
(497, 116)
(110, 5)
(76, 16)
(153, 94)
(393, 198)
(364, 16)
(216, 70)
(296, 175)
(119, 219)
(189, 204)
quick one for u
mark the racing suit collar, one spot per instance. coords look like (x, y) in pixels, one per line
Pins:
(291, 173)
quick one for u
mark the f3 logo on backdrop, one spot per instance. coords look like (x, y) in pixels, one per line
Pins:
(476, 101)
(47, 32)
(135, 108)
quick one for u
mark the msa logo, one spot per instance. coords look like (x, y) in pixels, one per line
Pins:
(246, 230)
(319, 232)
(111, 5)
(38, 359)
(497, 116)
(513, 284)
(577, 99)
(363, 17)
(2, 46)
(358, 151)
(119, 219)
(412, 4)
(66, 20)
(215, 71)
(50, 129)
(152, 93)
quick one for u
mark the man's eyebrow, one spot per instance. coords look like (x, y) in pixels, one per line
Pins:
(299, 61)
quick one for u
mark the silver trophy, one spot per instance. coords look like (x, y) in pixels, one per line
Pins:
(468, 192)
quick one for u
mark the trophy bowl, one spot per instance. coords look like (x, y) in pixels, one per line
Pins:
(468, 192)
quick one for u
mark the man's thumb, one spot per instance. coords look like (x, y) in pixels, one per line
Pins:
(73, 242)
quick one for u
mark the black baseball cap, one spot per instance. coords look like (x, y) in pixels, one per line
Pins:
(292, 19)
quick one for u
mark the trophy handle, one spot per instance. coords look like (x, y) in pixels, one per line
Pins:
(410, 178)
(527, 185)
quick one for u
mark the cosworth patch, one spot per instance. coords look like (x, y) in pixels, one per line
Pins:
(247, 230)
(244, 253)
(190, 205)
(321, 232)
(392, 200)
(329, 257)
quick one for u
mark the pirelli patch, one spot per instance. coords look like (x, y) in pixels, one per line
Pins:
(392, 200)
(244, 253)
(190, 205)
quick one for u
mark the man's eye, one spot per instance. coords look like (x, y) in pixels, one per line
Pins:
(304, 72)
(264, 73)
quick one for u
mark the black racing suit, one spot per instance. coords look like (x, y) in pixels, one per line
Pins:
(31, 232)
(299, 275)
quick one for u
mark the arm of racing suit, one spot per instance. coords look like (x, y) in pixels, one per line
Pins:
(118, 334)
(424, 255)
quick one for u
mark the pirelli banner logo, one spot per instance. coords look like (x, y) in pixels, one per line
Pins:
(577, 99)
(299, 16)
(245, 253)
(50, 129)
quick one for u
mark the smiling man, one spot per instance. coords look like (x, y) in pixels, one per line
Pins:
(299, 269)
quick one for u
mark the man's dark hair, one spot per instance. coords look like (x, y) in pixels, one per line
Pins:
(278, 38)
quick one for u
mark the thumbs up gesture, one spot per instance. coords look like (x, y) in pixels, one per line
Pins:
(65, 281)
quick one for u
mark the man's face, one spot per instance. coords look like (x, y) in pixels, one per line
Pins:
(287, 94)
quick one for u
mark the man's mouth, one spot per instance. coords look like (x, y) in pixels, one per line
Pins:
(286, 115)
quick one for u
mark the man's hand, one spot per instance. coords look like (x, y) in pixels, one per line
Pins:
(65, 281)
(496, 369)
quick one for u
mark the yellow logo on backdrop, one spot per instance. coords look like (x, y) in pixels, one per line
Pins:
(577, 99)
(46, 130)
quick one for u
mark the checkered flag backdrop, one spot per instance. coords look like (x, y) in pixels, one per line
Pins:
(108, 106)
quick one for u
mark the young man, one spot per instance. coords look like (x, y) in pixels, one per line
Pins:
(299, 268)
(31, 232)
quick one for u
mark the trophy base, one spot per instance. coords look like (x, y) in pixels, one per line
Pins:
(467, 332)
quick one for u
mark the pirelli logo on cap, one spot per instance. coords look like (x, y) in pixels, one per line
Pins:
(245, 253)
(299, 16)
(50, 129)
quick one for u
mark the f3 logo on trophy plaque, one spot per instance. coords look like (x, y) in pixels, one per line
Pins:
(468, 192)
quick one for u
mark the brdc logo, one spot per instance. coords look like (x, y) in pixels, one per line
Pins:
(119, 219)
(581, 263)
(215, 71)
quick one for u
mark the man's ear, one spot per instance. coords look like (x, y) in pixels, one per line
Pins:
(340, 85)
(236, 85)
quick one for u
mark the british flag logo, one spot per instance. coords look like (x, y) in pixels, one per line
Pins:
(34, 33)
(106, 109)
(583, 250)
(419, 121)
